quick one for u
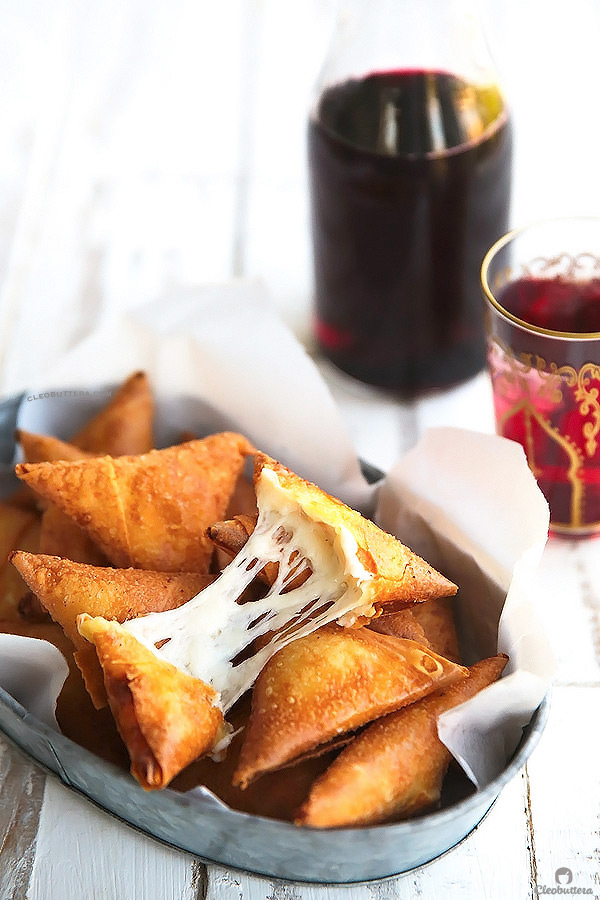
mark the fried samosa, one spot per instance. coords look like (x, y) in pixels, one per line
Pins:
(330, 683)
(59, 536)
(148, 511)
(430, 623)
(396, 766)
(18, 528)
(125, 425)
(67, 589)
(166, 718)
(44, 448)
(436, 618)
(402, 624)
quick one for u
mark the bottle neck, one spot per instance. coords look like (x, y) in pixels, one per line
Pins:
(391, 35)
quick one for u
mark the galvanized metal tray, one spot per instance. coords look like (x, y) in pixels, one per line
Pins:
(200, 824)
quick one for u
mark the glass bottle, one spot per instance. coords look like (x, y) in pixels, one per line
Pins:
(409, 145)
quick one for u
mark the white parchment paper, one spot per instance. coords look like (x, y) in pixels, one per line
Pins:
(221, 358)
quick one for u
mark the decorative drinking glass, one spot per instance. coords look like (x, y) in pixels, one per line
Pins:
(542, 286)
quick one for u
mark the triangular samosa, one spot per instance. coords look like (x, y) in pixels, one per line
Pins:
(148, 511)
(125, 425)
(166, 718)
(329, 683)
(18, 528)
(67, 589)
(396, 766)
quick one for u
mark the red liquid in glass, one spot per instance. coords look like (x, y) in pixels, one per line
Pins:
(564, 453)
(410, 186)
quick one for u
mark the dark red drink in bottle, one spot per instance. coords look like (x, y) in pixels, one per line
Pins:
(410, 186)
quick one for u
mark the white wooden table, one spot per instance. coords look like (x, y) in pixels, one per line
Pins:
(151, 145)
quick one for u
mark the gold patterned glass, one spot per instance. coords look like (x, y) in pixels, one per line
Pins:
(542, 287)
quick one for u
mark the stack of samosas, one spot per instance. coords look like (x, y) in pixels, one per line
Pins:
(266, 641)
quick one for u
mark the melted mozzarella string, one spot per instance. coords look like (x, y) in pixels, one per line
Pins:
(206, 635)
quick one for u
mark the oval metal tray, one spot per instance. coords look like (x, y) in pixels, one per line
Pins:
(200, 824)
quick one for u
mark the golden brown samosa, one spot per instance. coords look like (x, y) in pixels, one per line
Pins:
(149, 511)
(59, 535)
(396, 766)
(18, 527)
(329, 683)
(403, 624)
(125, 425)
(45, 448)
(436, 618)
(166, 718)
(67, 589)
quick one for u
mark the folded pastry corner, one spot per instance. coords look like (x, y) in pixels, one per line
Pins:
(328, 684)
(396, 766)
(166, 718)
(149, 511)
(45, 448)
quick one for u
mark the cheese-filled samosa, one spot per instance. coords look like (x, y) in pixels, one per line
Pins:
(396, 766)
(149, 511)
(67, 589)
(166, 718)
(330, 683)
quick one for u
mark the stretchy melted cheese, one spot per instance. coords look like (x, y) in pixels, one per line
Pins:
(203, 636)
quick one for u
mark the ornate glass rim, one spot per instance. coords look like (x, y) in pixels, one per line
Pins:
(507, 239)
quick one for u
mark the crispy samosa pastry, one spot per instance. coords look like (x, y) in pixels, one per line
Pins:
(330, 683)
(166, 718)
(18, 528)
(395, 767)
(59, 536)
(431, 623)
(148, 511)
(436, 618)
(67, 589)
(125, 425)
(403, 624)
(331, 564)
(44, 448)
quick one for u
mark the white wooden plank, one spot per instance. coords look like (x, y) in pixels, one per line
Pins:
(567, 599)
(83, 852)
(21, 795)
(135, 187)
(565, 790)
